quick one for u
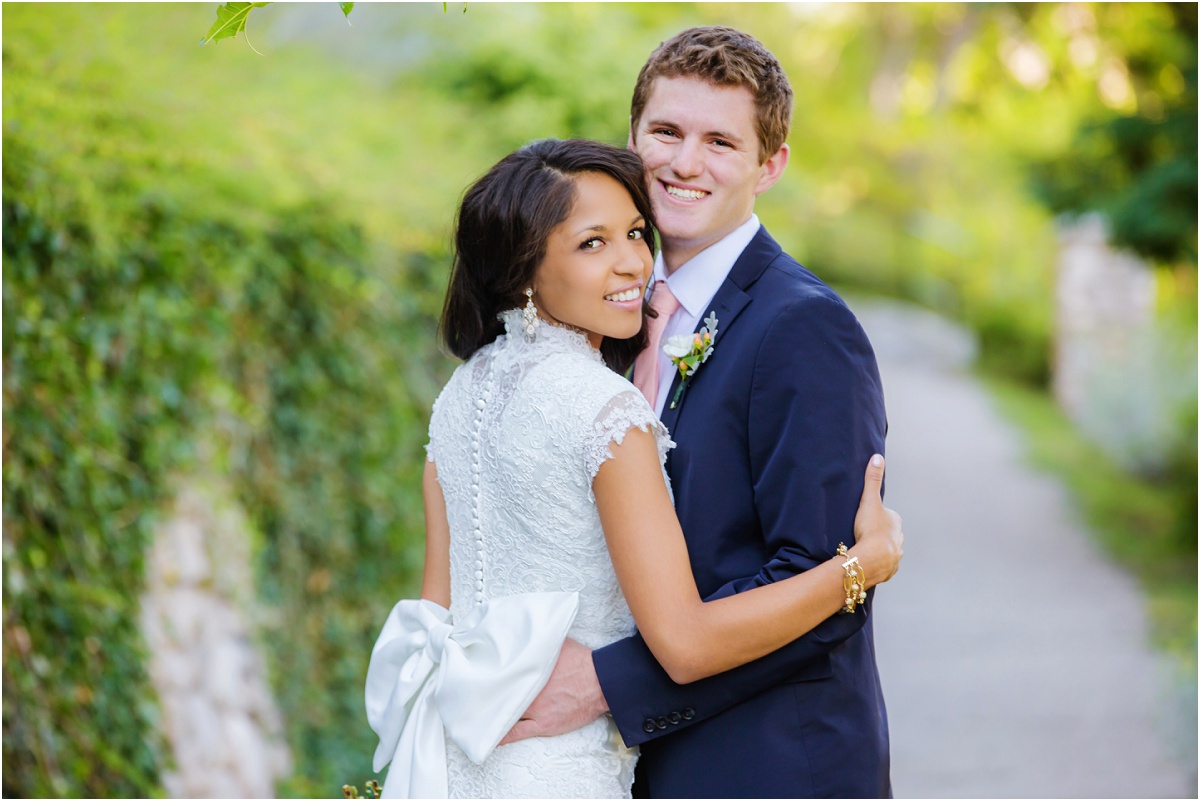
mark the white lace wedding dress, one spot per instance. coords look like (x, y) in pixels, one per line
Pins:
(517, 436)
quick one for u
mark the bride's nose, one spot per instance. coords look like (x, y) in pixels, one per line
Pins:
(633, 260)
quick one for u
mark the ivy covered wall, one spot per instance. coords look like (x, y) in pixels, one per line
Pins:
(158, 308)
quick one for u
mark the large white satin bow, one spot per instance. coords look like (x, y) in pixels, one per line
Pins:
(471, 680)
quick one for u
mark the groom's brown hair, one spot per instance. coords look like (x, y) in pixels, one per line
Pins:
(723, 57)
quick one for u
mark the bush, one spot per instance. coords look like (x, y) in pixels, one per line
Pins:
(1012, 344)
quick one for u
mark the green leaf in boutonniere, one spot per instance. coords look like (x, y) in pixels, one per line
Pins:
(688, 352)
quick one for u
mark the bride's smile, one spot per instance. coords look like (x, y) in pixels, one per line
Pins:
(626, 295)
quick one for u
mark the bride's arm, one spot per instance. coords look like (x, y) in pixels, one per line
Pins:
(692, 639)
(435, 585)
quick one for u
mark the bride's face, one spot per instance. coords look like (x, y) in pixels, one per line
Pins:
(597, 263)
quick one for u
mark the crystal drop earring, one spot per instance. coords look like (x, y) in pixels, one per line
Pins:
(530, 315)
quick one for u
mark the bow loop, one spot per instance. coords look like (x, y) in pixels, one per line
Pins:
(430, 678)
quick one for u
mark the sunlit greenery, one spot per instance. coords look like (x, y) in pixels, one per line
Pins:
(208, 245)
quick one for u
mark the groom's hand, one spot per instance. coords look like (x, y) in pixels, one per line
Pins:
(572, 698)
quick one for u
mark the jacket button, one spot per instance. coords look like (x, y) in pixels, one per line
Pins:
(674, 718)
(649, 726)
(688, 713)
(661, 723)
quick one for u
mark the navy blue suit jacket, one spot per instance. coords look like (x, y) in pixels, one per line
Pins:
(773, 434)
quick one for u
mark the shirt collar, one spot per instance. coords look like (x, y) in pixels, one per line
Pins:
(697, 280)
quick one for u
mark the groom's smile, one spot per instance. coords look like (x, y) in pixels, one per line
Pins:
(683, 193)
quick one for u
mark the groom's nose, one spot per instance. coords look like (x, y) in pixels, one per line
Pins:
(688, 159)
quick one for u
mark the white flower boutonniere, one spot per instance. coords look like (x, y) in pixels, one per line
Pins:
(688, 351)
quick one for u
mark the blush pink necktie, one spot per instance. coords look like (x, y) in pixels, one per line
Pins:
(645, 367)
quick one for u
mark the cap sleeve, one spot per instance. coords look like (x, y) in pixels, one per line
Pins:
(440, 428)
(622, 412)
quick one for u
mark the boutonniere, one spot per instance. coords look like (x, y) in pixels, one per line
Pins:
(688, 351)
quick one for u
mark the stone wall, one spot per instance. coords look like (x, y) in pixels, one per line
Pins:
(1104, 299)
(1123, 374)
(199, 618)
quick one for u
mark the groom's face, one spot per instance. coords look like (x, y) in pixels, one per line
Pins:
(701, 151)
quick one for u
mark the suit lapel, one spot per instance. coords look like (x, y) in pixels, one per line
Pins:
(731, 298)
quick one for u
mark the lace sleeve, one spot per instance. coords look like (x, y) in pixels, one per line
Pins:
(430, 445)
(627, 410)
(436, 422)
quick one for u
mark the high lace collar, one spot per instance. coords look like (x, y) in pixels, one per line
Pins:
(549, 336)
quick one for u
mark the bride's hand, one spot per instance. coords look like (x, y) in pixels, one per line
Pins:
(878, 535)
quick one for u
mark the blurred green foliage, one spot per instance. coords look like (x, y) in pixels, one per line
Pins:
(165, 313)
(216, 260)
(1140, 168)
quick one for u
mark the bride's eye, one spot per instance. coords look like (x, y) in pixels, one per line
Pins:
(637, 233)
(591, 244)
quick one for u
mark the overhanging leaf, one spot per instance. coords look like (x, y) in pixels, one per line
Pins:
(231, 20)
(346, 9)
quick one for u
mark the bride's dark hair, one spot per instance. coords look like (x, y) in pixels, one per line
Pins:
(503, 224)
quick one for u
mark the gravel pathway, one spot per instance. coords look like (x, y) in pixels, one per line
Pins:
(1014, 657)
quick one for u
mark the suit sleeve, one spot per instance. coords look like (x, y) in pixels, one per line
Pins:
(816, 417)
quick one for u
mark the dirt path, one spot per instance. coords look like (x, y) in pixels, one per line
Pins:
(1014, 657)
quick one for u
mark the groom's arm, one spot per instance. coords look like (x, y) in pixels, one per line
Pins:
(816, 417)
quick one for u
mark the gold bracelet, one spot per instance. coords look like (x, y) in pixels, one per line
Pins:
(854, 582)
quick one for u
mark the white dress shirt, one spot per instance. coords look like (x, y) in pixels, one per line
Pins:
(694, 284)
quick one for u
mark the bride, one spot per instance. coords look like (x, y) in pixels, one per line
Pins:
(547, 510)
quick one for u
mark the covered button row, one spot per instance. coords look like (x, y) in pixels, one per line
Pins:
(480, 403)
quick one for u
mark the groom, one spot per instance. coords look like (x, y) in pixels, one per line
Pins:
(772, 432)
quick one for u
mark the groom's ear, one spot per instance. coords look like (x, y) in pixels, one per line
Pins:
(772, 169)
(629, 144)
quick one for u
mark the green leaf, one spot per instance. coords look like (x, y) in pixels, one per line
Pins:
(346, 9)
(231, 20)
